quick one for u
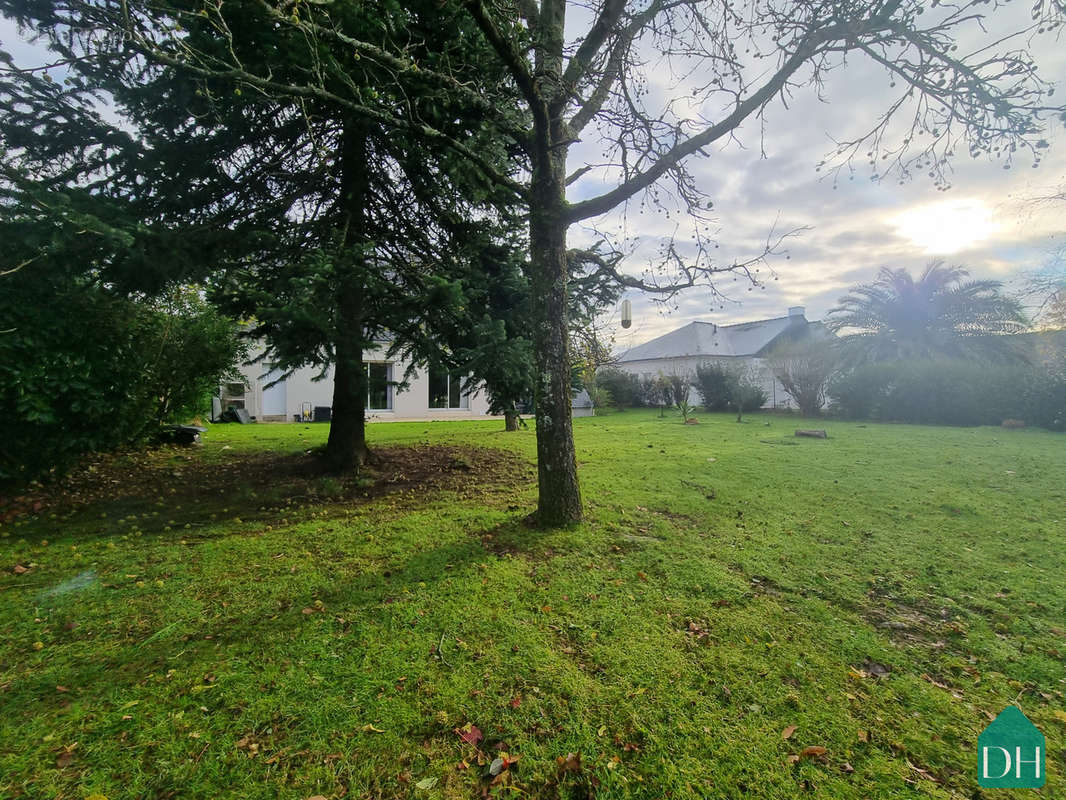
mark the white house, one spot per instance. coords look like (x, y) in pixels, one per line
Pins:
(429, 394)
(743, 346)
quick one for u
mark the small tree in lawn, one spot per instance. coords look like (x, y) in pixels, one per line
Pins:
(657, 392)
(747, 392)
(677, 384)
(804, 372)
(683, 405)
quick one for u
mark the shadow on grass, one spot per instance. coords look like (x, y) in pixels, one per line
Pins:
(123, 657)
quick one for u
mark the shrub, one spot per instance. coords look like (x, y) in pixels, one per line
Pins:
(804, 374)
(858, 393)
(103, 373)
(716, 383)
(657, 392)
(952, 392)
(747, 394)
(623, 387)
(1044, 396)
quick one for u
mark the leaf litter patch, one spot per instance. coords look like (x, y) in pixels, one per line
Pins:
(178, 478)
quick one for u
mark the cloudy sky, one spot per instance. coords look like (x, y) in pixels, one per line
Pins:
(986, 221)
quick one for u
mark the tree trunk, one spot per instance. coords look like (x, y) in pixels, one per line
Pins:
(559, 501)
(346, 447)
(510, 419)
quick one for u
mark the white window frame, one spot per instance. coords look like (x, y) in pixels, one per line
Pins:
(388, 386)
(464, 397)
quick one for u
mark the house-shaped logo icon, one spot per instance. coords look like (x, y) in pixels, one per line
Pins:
(1011, 752)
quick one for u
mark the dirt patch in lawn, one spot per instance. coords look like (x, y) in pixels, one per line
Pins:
(257, 481)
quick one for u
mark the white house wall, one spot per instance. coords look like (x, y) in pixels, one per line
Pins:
(409, 403)
(686, 365)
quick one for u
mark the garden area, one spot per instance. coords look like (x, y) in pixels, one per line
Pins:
(741, 613)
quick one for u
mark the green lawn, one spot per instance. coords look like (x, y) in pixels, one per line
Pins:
(886, 592)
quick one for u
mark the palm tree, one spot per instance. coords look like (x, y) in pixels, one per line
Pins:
(941, 314)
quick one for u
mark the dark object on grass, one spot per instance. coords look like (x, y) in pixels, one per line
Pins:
(233, 414)
(322, 413)
(181, 434)
(812, 434)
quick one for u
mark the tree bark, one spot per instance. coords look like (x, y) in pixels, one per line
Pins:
(559, 497)
(559, 501)
(510, 419)
(346, 447)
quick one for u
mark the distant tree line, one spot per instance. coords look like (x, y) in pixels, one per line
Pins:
(937, 349)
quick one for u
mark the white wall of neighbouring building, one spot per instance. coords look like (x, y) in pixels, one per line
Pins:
(290, 397)
(758, 370)
(743, 347)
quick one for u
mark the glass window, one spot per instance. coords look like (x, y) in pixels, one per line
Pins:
(379, 389)
(438, 388)
(446, 390)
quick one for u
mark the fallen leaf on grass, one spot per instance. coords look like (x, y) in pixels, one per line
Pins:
(371, 729)
(864, 736)
(571, 762)
(924, 773)
(67, 756)
(787, 732)
(813, 751)
(470, 733)
(927, 677)
(847, 768)
(516, 701)
(317, 797)
(20, 570)
(426, 784)
(501, 763)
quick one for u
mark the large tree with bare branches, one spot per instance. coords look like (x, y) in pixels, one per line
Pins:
(584, 71)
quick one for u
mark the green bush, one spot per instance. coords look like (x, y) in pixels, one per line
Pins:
(1044, 396)
(83, 370)
(949, 392)
(859, 393)
(748, 395)
(716, 384)
(624, 387)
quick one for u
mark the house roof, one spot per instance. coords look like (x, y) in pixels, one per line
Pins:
(708, 339)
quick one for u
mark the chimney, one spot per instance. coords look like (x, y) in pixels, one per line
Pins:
(796, 313)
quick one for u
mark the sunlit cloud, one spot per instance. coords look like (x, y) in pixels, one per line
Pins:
(948, 227)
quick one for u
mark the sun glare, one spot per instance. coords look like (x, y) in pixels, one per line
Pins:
(947, 227)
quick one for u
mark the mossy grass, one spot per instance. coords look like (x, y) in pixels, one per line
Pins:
(886, 591)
